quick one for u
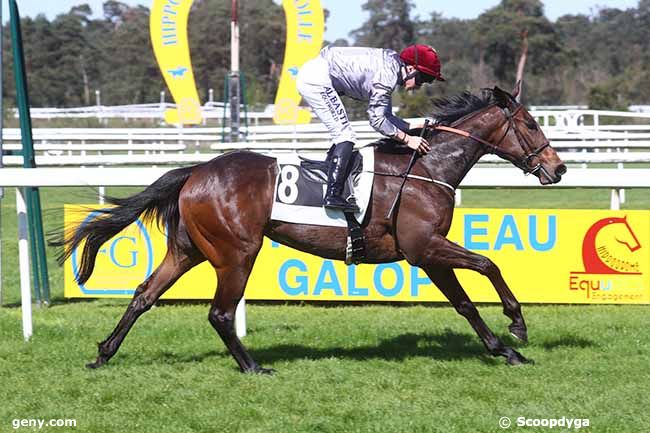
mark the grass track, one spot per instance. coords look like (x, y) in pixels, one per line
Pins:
(341, 369)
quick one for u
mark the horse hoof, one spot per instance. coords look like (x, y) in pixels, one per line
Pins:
(520, 333)
(259, 370)
(95, 365)
(516, 358)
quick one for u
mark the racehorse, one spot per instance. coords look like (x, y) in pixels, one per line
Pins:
(220, 211)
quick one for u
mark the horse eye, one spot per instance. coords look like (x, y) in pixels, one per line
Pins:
(531, 124)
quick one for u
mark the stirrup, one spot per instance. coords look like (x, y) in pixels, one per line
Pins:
(355, 248)
(338, 203)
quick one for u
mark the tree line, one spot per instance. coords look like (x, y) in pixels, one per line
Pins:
(602, 60)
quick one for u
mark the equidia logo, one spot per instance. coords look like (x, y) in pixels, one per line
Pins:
(608, 252)
(121, 257)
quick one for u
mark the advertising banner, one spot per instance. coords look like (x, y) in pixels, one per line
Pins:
(546, 256)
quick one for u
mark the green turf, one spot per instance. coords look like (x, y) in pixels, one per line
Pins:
(586, 198)
(341, 369)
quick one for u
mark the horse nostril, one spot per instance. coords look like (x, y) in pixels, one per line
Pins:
(560, 170)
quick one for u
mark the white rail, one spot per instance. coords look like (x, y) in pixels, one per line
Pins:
(556, 124)
(481, 177)
(130, 159)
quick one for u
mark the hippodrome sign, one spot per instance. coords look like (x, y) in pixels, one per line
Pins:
(168, 29)
(556, 256)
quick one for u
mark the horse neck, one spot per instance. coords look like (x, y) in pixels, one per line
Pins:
(452, 156)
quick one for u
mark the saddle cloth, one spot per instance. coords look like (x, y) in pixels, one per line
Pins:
(301, 184)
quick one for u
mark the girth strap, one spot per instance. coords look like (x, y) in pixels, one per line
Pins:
(355, 250)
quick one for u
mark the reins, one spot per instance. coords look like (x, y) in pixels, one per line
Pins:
(523, 163)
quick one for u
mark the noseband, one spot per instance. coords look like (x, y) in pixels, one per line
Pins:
(524, 162)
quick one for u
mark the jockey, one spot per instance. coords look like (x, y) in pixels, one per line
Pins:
(368, 74)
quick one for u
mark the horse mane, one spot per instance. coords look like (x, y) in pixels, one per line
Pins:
(446, 111)
(453, 108)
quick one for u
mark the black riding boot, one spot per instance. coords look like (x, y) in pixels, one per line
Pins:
(338, 170)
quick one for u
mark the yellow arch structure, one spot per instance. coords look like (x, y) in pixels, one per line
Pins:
(305, 30)
(168, 30)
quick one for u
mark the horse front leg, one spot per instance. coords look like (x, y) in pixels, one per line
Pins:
(443, 252)
(445, 279)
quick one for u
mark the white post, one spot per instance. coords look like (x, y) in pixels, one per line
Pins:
(2, 192)
(615, 201)
(98, 104)
(240, 319)
(23, 260)
(621, 192)
(234, 87)
(102, 189)
(458, 197)
(1, 198)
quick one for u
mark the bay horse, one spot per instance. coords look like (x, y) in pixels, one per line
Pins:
(220, 211)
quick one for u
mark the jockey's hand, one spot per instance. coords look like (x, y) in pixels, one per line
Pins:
(417, 143)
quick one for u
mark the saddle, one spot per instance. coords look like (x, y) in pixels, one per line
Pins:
(317, 172)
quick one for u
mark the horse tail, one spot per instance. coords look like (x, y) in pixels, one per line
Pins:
(158, 201)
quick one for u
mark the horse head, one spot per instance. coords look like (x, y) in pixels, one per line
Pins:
(522, 141)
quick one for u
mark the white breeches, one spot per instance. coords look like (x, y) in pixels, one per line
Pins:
(315, 86)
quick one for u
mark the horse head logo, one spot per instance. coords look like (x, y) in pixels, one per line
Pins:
(178, 72)
(608, 247)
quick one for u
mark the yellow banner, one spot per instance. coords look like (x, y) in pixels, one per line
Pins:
(546, 256)
(305, 30)
(168, 29)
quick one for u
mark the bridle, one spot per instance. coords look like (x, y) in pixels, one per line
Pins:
(530, 153)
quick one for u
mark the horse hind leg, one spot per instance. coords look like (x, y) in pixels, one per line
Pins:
(233, 262)
(229, 236)
(232, 280)
(147, 293)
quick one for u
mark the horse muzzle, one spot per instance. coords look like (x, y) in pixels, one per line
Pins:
(552, 176)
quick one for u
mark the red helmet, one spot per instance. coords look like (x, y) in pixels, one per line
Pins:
(424, 58)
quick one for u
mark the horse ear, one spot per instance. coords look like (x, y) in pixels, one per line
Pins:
(501, 97)
(516, 90)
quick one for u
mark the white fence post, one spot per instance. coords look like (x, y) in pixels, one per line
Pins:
(615, 201)
(23, 259)
(240, 318)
